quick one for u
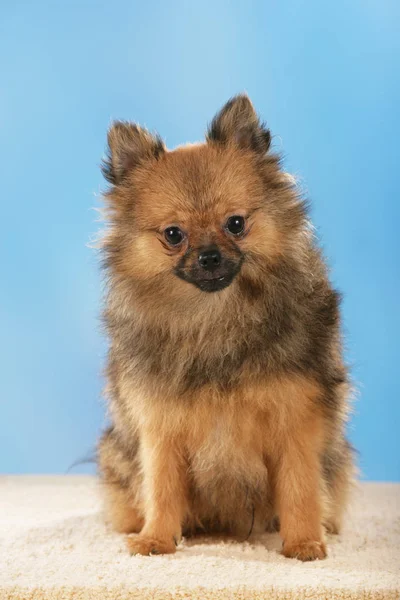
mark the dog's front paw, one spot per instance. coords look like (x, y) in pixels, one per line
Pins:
(148, 545)
(308, 550)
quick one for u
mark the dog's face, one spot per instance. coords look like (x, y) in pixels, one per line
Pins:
(202, 216)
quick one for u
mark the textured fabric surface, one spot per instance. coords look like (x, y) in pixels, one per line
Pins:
(54, 545)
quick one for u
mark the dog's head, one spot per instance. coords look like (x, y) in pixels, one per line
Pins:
(198, 218)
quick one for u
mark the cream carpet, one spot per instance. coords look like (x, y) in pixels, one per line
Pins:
(53, 545)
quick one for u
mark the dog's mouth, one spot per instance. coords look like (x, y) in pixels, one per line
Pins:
(215, 284)
(220, 279)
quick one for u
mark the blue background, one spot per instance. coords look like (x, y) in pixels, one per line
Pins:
(325, 76)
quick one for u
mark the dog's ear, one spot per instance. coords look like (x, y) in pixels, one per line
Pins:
(238, 122)
(128, 146)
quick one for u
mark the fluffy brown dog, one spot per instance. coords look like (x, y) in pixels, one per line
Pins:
(226, 382)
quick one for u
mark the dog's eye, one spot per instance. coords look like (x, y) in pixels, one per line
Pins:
(235, 225)
(173, 235)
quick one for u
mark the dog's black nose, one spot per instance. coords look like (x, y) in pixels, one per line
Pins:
(210, 259)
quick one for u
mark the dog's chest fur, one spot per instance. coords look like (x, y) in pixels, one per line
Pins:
(227, 448)
(228, 468)
(229, 439)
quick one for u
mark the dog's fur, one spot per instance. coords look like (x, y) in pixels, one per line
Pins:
(228, 408)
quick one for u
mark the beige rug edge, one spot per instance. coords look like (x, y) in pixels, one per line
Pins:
(198, 593)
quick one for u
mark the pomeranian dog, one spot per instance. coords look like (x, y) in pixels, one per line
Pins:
(227, 388)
